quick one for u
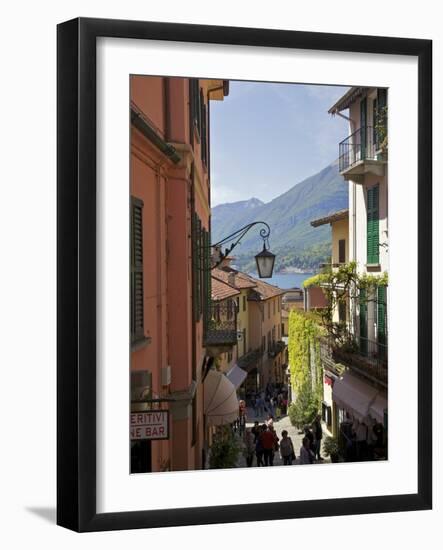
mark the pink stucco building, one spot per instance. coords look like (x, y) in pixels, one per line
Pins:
(170, 223)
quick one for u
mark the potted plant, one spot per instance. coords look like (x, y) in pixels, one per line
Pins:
(331, 448)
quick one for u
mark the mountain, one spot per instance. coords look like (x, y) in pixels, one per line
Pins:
(293, 239)
(225, 217)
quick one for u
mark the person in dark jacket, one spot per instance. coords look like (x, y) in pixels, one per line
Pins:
(318, 436)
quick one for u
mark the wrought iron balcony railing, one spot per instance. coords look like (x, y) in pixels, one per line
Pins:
(363, 144)
(369, 359)
(220, 323)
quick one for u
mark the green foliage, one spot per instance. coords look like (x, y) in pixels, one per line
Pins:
(305, 407)
(344, 285)
(331, 446)
(225, 449)
(305, 366)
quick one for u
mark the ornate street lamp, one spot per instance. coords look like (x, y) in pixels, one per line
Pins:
(265, 263)
(264, 259)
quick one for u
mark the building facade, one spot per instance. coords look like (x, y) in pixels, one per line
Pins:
(170, 281)
(356, 377)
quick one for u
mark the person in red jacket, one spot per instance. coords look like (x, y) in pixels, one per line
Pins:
(268, 440)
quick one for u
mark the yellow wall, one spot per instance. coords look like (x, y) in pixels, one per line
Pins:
(340, 230)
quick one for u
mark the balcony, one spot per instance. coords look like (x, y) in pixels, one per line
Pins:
(369, 359)
(276, 348)
(220, 325)
(360, 153)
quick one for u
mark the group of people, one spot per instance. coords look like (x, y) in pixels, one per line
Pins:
(273, 401)
(262, 442)
(362, 440)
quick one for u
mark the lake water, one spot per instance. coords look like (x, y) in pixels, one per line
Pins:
(287, 280)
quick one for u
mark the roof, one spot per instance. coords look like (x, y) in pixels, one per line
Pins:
(264, 291)
(334, 217)
(236, 279)
(222, 291)
(349, 97)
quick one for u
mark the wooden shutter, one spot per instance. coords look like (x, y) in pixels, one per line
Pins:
(363, 322)
(137, 296)
(373, 237)
(196, 265)
(342, 251)
(381, 320)
(204, 146)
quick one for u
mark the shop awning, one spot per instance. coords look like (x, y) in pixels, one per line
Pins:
(378, 407)
(354, 395)
(237, 376)
(221, 403)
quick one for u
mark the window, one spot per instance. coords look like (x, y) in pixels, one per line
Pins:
(244, 303)
(342, 251)
(229, 356)
(269, 310)
(137, 295)
(373, 253)
(263, 344)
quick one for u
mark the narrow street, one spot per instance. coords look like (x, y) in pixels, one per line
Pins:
(283, 424)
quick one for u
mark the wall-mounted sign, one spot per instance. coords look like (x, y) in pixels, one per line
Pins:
(150, 425)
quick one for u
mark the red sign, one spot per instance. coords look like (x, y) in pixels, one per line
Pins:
(150, 425)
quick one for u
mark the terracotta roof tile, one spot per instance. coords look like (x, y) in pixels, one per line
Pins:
(222, 291)
(234, 278)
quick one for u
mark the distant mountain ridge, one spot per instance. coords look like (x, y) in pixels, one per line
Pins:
(296, 243)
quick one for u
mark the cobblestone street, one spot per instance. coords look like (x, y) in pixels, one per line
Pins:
(283, 424)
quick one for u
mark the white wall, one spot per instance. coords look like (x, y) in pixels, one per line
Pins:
(28, 356)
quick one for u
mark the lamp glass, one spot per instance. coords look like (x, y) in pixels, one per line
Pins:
(265, 263)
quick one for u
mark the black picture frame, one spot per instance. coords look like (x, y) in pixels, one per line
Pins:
(76, 281)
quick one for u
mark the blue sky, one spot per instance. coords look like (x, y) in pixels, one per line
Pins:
(266, 137)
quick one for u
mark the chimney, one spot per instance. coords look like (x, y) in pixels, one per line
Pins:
(231, 278)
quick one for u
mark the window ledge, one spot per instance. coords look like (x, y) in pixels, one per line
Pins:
(373, 267)
(140, 343)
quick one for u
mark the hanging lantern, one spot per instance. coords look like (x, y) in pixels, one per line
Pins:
(265, 263)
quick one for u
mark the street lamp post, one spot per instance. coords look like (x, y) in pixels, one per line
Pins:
(264, 259)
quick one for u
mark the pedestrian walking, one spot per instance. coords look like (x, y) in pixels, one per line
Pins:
(286, 449)
(306, 454)
(255, 430)
(249, 447)
(310, 436)
(259, 447)
(318, 435)
(267, 440)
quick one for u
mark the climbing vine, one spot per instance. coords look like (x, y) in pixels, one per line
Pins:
(343, 286)
(305, 366)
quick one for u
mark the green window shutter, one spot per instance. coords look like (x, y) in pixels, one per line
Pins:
(196, 265)
(137, 296)
(206, 273)
(204, 147)
(363, 322)
(382, 333)
(373, 234)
